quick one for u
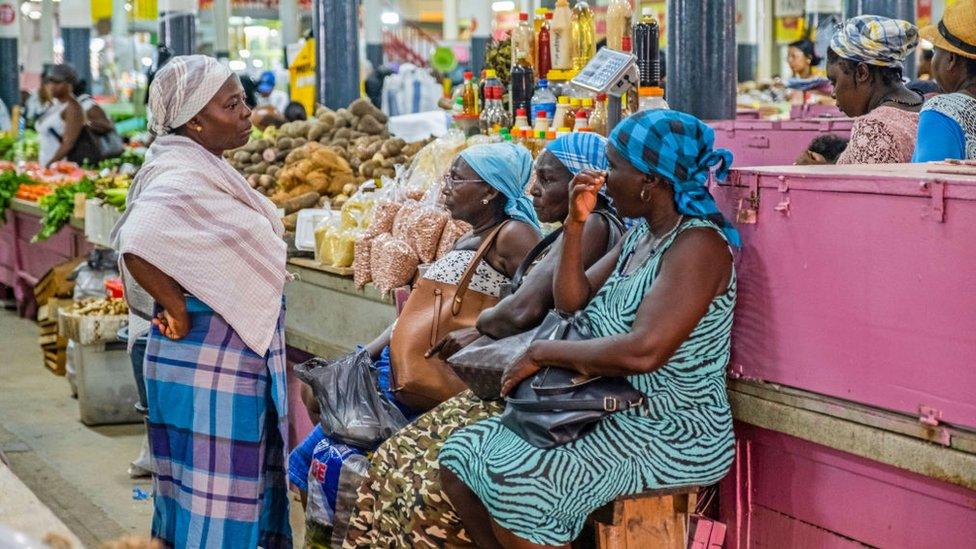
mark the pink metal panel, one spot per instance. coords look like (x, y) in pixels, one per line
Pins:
(773, 143)
(8, 266)
(856, 283)
(786, 492)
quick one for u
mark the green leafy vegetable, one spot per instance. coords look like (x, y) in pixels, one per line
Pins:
(59, 205)
(10, 181)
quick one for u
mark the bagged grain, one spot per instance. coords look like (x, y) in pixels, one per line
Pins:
(453, 230)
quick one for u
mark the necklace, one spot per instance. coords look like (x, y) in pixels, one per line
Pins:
(654, 247)
(889, 99)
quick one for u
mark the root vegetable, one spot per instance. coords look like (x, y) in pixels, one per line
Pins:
(290, 222)
(349, 189)
(392, 147)
(270, 154)
(300, 202)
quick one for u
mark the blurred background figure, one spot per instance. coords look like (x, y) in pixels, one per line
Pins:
(268, 95)
(295, 111)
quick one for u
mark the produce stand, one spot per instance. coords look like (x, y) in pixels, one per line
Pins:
(852, 357)
(22, 262)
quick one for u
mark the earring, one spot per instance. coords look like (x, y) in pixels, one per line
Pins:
(199, 128)
(644, 195)
(485, 201)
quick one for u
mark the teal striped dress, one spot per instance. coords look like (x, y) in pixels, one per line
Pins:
(545, 496)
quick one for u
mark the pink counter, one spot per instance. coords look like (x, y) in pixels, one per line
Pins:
(855, 350)
(773, 143)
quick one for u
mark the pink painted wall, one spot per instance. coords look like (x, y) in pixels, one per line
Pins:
(773, 143)
(850, 286)
(786, 492)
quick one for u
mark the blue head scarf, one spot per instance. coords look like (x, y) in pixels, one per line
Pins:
(580, 151)
(677, 147)
(507, 168)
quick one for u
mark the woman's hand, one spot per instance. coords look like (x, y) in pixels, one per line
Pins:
(453, 342)
(174, 326)
(582, 201)
(523, 368)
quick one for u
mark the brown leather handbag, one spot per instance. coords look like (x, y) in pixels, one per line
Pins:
(434, 310)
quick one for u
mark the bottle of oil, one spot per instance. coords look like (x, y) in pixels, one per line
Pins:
(619, 15)
(544, 63)
(523, 42)
(584, 35)
(598, 120)
(562, 36)
(469, 95)
(647, 34)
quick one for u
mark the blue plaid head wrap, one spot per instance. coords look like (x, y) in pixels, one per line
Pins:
(507, 168)
(677, 147)
(580, 151)
(875, 40)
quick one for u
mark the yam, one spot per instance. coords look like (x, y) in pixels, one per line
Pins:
(265, 180)
(341, 144)
(327, 120)
(252, 180)
(242, 156)
(350, 189)
(340, 123)
(361, 107)
(258, 168)
(255, 158)
(315, 132)
(366, 168)
(285, 142)
(392, 147)
(300, 141)
(296, 156)
(411, 149)
(270, 154)
(290, 222)
(343, 133)
(346, 115)
(300, 202)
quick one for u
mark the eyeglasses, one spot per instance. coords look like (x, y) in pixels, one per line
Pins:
(449, 181)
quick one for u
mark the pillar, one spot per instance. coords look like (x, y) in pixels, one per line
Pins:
(121, 41)
(221, 22)
(178, 25)
(701, 53)
(481, 14)
(290, 15)
(47, 31)
(896, 9)
(373, 29)
(336, 27)
(747, 39)
(76, 25)
(450, 19)
(9, 34)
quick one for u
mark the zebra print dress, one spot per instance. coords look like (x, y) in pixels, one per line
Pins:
(545, 496)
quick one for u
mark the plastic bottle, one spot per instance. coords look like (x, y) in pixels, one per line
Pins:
(584, 35)
(651, 97)
(544, 100)
(523, 42)
(562, 109)
(458, 108)
(521, 120)
(582, 124)
(541, 122)
(522, 76)
(647, 36)
(544, 61)
(561, 28)
(486, 120)
(503, 119)
(470, 95)
(619, 15)
(540, 18)
(598, 120)
(588, 106)
(563, 131)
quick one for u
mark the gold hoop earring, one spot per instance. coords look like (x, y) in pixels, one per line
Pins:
(644, 195)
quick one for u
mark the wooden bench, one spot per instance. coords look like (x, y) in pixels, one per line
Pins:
(656, 519)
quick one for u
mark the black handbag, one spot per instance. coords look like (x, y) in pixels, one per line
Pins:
(557, 406)
(91, 148)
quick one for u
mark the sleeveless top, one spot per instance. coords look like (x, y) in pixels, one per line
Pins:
(451, 267)
(961, 108)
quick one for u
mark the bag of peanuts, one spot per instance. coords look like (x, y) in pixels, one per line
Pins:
(384, 214)
(453, 230)
(362, 270)
(394, 263)
(403, 217)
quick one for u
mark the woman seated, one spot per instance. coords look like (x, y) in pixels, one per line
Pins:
(485, 187)
(401, 502)
(947, 126)
(659, 307)
(864, 65)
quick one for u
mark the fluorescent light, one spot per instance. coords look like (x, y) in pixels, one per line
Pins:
(390, 18)
(237, 65)
(35, 15)
(147, 61)
(244, 53)
(503, 6)
(257, 63)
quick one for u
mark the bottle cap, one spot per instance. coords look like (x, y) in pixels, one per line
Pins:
(490, 73)
(519, 112)
(563, 100)
(581, 114)
(523, 16)
(650, 91)
(564, 129)
(541, 11)
(550, 134)
(587, 102)
(574, 101)
(601, 97)
(548, 15)
(647, 10)
(543, 83)
(505, 131)
(541, 114)
(468, 75)
(626, 44)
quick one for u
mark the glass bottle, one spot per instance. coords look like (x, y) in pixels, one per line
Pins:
(584, 35)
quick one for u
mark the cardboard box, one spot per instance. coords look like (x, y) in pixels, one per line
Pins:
(54, 283)
(87, 330)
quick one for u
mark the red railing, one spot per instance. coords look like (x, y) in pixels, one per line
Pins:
(408, 43)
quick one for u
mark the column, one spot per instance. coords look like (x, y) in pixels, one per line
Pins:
(701, 53)
(373, 29)
(76, 25)
(483, 17)
(121, 41)
(290, 25)
(336, 27)
(221, 22)
(450, 20)
(896, 9)
(47, 31)
(178, 25)
(9, 33)
(747, 39)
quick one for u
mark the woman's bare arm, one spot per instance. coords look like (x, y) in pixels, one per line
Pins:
(174, 321)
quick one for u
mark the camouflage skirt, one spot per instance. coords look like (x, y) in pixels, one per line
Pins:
(400, 504)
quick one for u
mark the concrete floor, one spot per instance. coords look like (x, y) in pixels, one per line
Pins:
(79, 472)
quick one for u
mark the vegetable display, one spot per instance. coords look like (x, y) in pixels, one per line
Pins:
(58, 206)
(99, 307)
(10, 183)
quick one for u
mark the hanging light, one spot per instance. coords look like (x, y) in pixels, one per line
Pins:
(503, 6)
(390, 18)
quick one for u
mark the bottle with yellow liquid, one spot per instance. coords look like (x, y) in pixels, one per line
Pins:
(619, 16)
(584, 35)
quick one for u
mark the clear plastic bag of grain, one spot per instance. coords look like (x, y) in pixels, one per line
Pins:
(453, 230)
(403, 218)
(394, 263)
(362, 269)
(425, 229)
(384, 214)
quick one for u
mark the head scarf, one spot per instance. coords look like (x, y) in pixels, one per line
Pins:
(580, 151)
(63, 73)
(181, 89)
(677, 147)
(505, 167)
(875, 40)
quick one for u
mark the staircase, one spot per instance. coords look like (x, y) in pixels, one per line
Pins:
(408, 43)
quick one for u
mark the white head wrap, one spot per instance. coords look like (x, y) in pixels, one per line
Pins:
(181, 89)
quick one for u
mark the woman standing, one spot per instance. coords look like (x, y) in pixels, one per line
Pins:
(659, 307)
(208, 250)
(947, 126)
(864, 65)
(59, 128)
(803, 60)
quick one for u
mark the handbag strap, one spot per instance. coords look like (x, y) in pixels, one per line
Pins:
(606, 404)
(472, 267)
(538, 250)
